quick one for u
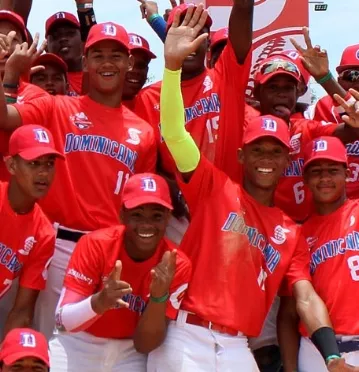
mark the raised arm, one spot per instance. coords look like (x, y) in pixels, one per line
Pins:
(240, 30)
(181, 41)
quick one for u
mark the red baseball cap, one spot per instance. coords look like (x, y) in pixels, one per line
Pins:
(266, 126)
(146, 188)
(350, 58)
(140, 43)
(22, 343)
(325, 148)
(294, 56)
(50, 59)
(219, 36)
(58, 18)
(183, 7)
(107, 31)
(14, 18)
(32, 141)
(273, 66)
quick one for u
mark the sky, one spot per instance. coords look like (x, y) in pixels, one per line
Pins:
(333, 30)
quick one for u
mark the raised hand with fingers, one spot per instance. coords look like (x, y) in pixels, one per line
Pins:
(5, 43)
(111, 296)
(162, 275)
(183, 37)
(352, 110)
(23, 56)
(315, 59)
(148, 9)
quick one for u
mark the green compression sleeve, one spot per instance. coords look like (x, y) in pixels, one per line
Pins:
(179, 142)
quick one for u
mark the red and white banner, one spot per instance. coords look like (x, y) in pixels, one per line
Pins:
(275, 22)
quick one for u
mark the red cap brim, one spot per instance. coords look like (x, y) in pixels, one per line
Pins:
(141, 200)
(324, 157)
(12, 358)
(93, 42)
(262, 135)
(148, 52)
(267, 77)
(347, 67)
(34, 153)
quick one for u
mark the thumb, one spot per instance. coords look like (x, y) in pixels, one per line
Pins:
(197, 42)
(10, 36)
(116, 272)
(36, 69)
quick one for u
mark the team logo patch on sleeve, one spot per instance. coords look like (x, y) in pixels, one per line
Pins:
(177, 296)
(279, 235)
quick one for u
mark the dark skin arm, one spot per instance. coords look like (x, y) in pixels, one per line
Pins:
(152, 326)
(22, 313)
(240, 30)
(287, 332)
(23, 8)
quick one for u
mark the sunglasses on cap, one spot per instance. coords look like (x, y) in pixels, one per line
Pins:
(350, 75)
(276, 65)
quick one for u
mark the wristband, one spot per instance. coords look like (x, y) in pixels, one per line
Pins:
(85, 6)
(326, 78)
(153, 17)
(325, 341)
(159, 300)
(331, 357)
(10, 98)
(10, 86)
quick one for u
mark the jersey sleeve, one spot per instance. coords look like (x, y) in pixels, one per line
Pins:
(34, 272)
(37, 111)
(179, 285)
(205, 181)
(320, 128)
(84, 270)
(298, 268)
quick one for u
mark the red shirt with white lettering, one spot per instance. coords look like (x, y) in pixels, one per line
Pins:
(26, 93)
(27, 243)
(94, 259)
(240, 251)
(334, 245)
(214, 104)
(325, 110)
(103, 146)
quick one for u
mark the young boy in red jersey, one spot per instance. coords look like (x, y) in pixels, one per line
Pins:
(104, 144)
(332, 233)
(241, 246)
(121, 287)
(27, 238)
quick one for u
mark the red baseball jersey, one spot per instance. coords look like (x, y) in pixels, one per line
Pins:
(75, 83)
(26, 93)
(240, 251)
(27, 243)
(93, 261)
(103, 146)
(334, 264)
(214, 111)
(325, 110)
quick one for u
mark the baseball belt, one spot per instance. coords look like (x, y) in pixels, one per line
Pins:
(348, 346)
(72, 236)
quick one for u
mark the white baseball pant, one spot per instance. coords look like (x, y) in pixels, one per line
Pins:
(80, 352)
(309, 358)
(190, 348)
(44, 319)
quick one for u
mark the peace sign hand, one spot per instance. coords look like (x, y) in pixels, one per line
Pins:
(352, 110)
(162, 274)
(315, 59)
